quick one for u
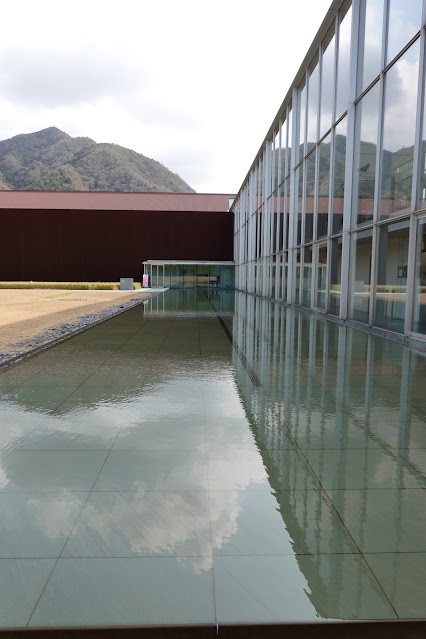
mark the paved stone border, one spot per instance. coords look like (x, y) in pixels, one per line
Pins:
(60, 332)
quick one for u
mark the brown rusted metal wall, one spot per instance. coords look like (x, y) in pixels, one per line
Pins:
(106, 245)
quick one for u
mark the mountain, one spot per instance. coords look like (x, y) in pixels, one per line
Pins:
(51, 160)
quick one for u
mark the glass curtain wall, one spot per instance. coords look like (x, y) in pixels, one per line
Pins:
(360, 276)
(342, 175)
(391, 287)
(419, 315)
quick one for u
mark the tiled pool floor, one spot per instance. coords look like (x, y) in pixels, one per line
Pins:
(154, 472)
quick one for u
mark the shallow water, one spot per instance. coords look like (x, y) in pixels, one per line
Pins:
(213, 458)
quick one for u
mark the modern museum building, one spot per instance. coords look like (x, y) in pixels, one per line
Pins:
(332, 214)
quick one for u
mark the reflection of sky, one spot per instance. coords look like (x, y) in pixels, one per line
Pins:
(303, 370)
(404, 22)
(400, 101)
(372, 41)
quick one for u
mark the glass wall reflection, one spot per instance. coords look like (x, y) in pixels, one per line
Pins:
(327, 81)
(190, 275)
(419, 320)
(321, 290)
(343, 60)
(360, 275)
(323, 187)
(309, 199)
(405, 19)
(335, 276)
(391, 288)
(365, 149)
(399, 134)
(370, 42)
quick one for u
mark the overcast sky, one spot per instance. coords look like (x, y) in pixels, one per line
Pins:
(192, 84)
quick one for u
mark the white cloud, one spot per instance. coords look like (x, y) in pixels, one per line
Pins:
(194, 86)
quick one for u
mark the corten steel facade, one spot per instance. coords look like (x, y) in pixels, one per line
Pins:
(95, 239)
(332, 214)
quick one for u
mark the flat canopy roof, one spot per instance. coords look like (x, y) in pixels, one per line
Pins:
(112, 201)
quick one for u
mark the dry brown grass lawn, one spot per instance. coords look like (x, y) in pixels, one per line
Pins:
(25, 313)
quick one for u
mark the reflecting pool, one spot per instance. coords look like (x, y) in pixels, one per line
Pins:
(208, 458)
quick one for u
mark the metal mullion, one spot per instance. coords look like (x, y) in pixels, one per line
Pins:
(385, 32)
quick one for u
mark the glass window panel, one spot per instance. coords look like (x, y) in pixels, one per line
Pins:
(399, 133)
(180, 275)
(202, 275)
(272, 277)
(360, 275)
(259, 279)
(289, 139)
(343, 60)
(391, 287)
(323, 186)
(327, 82)
(281, 213)
(167, 272)
(422, 181)
(307, 276)
(214, 277)
(339, 177)
(299, 182)
(282, 151)
(278, 272)
(313, 104)
(335, 276)
(321, 276)
(309, 201)
(260, 181)
(191, 276)
(160, 281)
(173, 276)
(259, 232)
(287, 213)
(285, 276)
(228, 276)
(364, 175)
(275, 221)
(302, 122)
(419, 317)
(405, 18)
(371, 28)
(154, 278)
(297, 283)
(275, 160)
